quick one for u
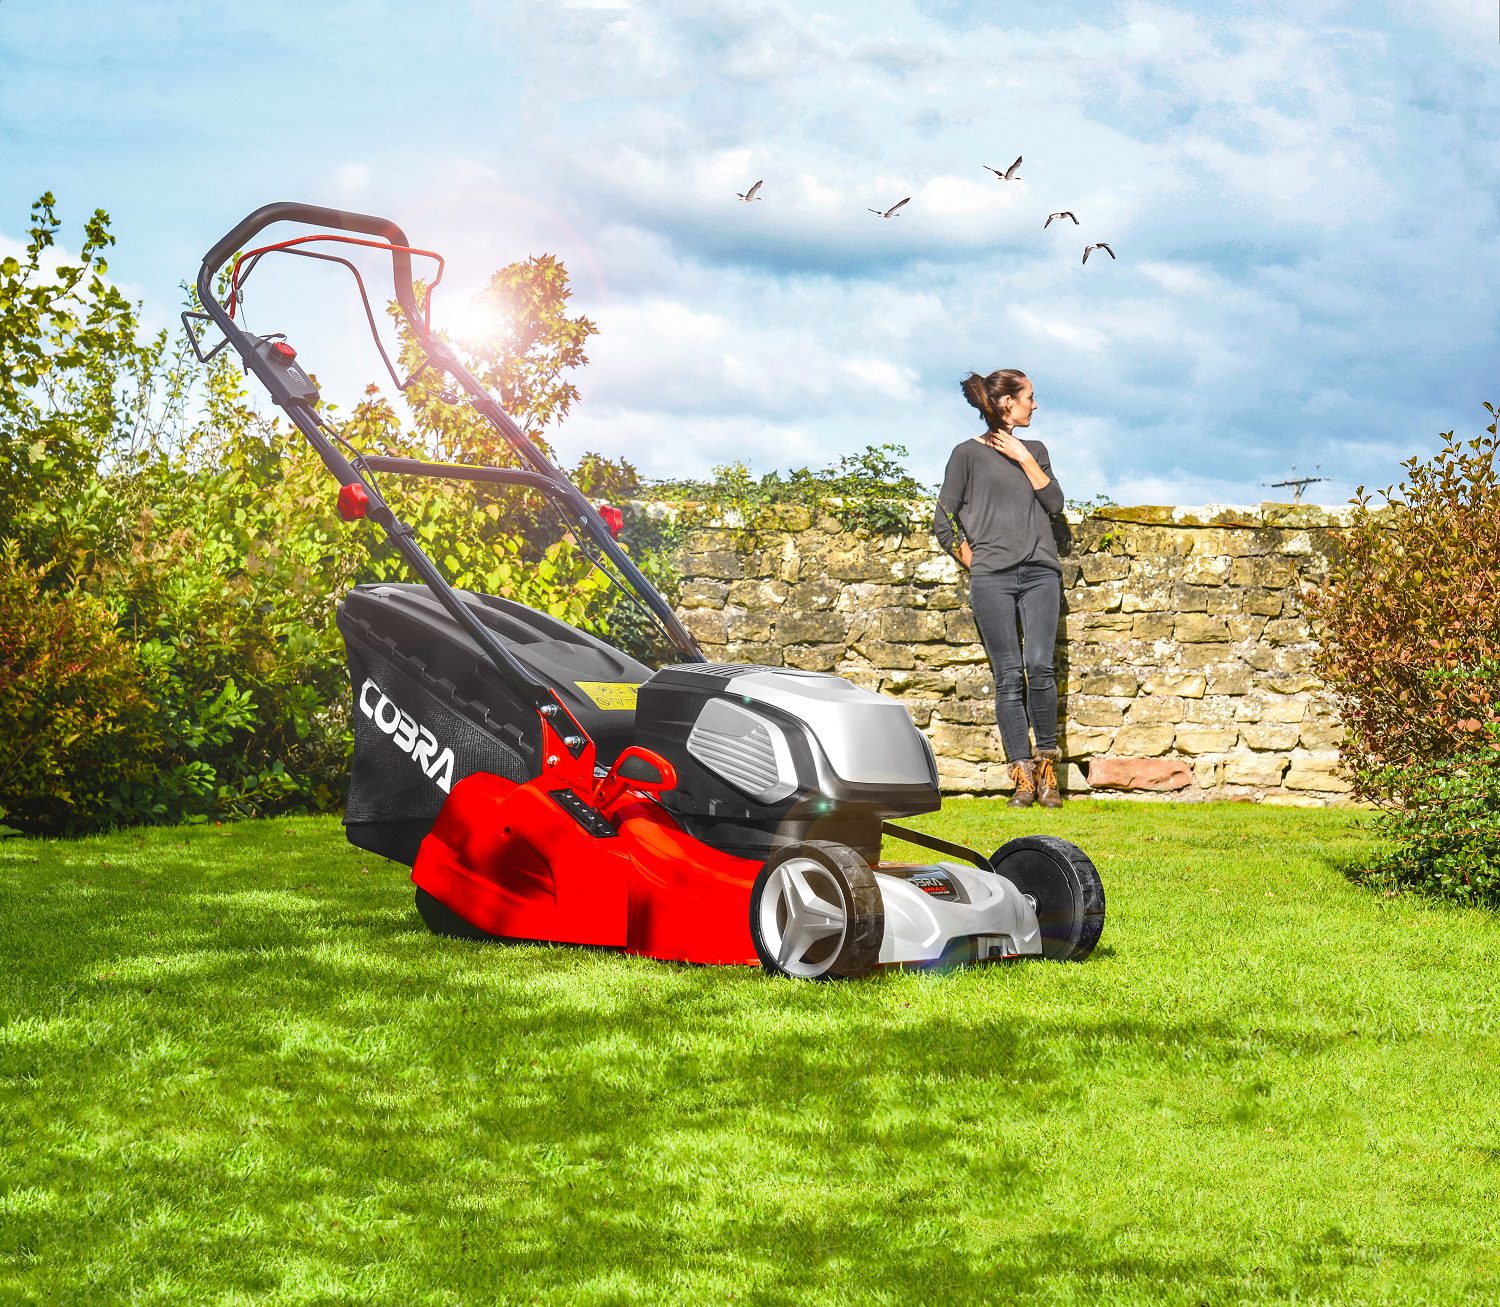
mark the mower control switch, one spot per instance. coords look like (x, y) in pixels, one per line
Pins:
(354, 502)
(276, 365)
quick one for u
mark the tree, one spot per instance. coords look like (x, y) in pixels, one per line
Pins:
(522, 357)
(74, 381)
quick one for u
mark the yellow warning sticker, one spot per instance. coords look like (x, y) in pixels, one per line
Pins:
(611, 694)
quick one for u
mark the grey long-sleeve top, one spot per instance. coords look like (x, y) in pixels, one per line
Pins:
(990, 501)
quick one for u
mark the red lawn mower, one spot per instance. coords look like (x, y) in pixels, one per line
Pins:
(546, 786)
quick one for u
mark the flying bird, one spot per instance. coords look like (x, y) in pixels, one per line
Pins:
(751, 193)
(1009, 175)
(891, 212)
(1100, 246)
(1066, 213)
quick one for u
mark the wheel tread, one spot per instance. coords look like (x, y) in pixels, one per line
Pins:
(865, 926)
(1082, 877)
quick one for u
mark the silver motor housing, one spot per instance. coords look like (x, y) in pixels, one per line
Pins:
(769, 754)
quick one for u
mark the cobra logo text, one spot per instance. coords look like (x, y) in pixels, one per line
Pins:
(407, 735)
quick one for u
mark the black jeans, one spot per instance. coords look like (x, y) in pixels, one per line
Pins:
(1022, 661)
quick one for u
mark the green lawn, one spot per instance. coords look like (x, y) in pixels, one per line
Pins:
(234, 1068)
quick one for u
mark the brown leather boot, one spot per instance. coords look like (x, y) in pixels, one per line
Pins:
(1048, 792)
(1024, 775)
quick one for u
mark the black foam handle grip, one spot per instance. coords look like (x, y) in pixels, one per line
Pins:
(316, 216)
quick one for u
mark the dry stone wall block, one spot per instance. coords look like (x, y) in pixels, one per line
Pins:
(948, 655)
(1103, 567)
(1320, 733)
(762, 655)
(880, 654)
(811, 628)
(972, 712)
(742, 625)
(942, 568)
(705, 625)
(1194, 629)
(1152, 626)
(717, 564)
(902, 625)
(1212, 710)
(1096, 598)
(701, 593)
(760, 594)
(1206, 569)
(1262, 603)
(1139, 774)
(1242, 628)
(1143, 741)
(1258, 769)
(1205, 739)
(1186, 685)
(1155, 708)
(1084, 742)
(1270, 735)
(1228, 680)
(957, 740)
(1317, 770)
(900, 681)
(813, 596)
(813, 658)
(1097, 710)
(1071, 779)
(1283, 708)
(1204, 656)
(960, 628)
(1156, 599)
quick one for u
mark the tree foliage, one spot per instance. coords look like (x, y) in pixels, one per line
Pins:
(522, 355)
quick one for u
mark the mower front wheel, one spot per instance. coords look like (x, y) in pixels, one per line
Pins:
(1063, 885)
(816, 912)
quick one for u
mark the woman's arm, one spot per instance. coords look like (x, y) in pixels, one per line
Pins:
(945, 523)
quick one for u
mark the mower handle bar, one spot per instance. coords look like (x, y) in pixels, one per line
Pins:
(315, 215)
(542, 474)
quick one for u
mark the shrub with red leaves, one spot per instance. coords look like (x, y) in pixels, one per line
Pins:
(1410, 643)
(76, 727)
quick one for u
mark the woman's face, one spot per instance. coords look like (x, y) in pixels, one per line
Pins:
(1017, 409)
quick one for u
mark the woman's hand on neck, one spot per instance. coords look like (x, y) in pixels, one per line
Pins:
(1007, 444)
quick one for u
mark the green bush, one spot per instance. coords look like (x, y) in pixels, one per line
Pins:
(868, 491)
(1442, 824)
(79, 727)
(1409, 627)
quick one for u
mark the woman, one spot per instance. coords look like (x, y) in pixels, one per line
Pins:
(997, 493)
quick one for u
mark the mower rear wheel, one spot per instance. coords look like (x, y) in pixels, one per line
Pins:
(816, 912)
(443, 920)
(1064, 885)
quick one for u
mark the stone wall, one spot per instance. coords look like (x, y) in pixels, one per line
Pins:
(1185, 665)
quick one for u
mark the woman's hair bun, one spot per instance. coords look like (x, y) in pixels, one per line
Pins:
(978, 394)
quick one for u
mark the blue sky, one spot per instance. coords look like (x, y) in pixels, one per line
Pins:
(1302, 198)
